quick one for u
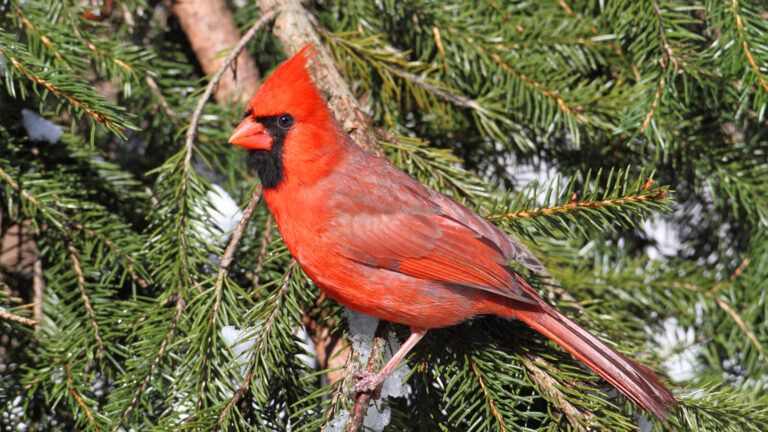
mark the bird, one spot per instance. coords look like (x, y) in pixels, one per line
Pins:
(381, 243)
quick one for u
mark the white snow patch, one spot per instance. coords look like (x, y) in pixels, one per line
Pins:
(234, 338)
(678, 345)
(338, 422)
(375, 419)
(537, 171)
(395, 385)
(223, 212)
(40, 129)
(666, 238)
(361, 330)
(307, 345)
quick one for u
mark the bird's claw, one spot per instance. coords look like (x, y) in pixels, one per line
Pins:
(367, 382)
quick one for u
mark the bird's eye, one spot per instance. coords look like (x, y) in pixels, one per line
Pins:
(285, 121)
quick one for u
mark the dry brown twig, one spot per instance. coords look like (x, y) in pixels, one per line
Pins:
(8, 316)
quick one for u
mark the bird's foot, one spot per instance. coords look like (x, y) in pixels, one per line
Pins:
(367, 382)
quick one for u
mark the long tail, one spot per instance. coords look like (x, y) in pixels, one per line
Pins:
(631, 378)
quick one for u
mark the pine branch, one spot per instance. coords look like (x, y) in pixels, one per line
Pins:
(224, 266)
(74, 256)
(60, 221)
(745, 45)
(616, 202)
(143, 382)
(488, 398)
(578, 418)
(712, 294)
(78, 397)
(80, 98)
(276, 301)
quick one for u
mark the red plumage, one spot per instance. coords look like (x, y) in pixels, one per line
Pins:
(384, 244)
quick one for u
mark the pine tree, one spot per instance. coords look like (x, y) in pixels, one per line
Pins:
(128, 303)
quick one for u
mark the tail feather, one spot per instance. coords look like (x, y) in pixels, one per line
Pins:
(634, 380)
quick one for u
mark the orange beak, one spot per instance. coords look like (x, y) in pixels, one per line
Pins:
(252, 135)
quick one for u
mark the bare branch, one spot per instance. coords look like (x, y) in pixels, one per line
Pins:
(266, 238)
(360, 408)
(38, 292)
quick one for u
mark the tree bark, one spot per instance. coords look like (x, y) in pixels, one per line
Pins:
(210, 28)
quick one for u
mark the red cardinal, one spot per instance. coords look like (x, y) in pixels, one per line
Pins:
(383, 244)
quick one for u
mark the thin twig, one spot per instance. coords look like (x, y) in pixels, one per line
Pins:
(229, 252)
(339, 392)
(8, 316)
(132, 263)
(266, 238)
(362, 400)
(735, 275)
(161, 100)
(722, 304)
(458, 100)
(38, 291)
(74, 255)
(530, 82)
(712, 294)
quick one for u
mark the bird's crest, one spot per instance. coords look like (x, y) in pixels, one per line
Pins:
(290, 89)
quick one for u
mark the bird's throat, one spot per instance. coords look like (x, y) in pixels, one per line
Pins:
(268, 165)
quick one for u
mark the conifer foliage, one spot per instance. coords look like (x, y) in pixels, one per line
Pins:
(132, 299)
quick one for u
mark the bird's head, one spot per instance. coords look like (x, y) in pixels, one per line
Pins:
(287, 123)
(285, 103)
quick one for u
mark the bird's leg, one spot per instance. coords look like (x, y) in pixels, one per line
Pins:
(369, 382)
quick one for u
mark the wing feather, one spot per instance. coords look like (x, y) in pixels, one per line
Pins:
(430, 247)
